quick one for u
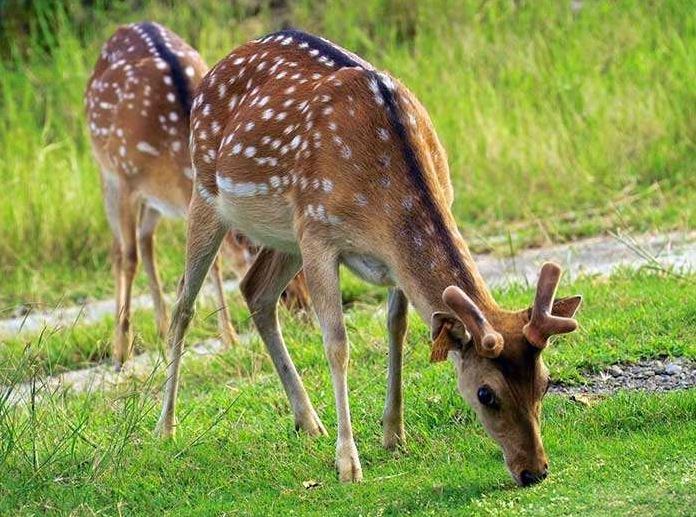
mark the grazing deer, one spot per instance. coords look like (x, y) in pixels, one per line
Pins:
(322, 160)
(138, 102)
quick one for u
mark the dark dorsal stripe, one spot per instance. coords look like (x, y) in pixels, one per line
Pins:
(331, 51)
(420, 184)
(342, 59)
(181, 84)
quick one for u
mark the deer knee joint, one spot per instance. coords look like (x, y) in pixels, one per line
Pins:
(336, 346)
(256, 302)
(184, 311)
(130, 261)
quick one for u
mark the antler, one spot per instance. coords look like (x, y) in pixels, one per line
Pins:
(487, 341)
(542, 324)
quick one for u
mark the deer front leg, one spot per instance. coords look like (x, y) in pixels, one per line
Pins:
(227, 332)
(205, 233)
(393, 416)
(261, 288)
(321, 272)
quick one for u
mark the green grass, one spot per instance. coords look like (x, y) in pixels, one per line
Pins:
(557, 125)
(236, 452)
(628, 317)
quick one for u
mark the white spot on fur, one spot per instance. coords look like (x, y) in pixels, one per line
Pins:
(146, 148)
(361, 200)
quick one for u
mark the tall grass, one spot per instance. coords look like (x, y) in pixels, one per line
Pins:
(557, 123)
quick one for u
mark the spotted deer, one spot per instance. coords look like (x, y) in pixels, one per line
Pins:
(138, 102)
(322, 160)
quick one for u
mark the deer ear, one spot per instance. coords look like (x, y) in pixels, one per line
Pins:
(566, 307)
(446, 333)
(563, 307)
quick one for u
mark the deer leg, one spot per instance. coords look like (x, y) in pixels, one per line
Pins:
(149, 217)
(123, 335)
(205, 233)
(112, 204)
(295, 296)
(393, 416)
(321, 272)
(261, 288)
(116, 270)
(227, 332)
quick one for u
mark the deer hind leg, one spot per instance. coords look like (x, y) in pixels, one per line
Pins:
(227, 332)
(261, 288)
(205, 233)
(123, 339)
(321, 272)
(116, 270)
(393, 416)
(149, 217)
(110, 191)
(122, 216)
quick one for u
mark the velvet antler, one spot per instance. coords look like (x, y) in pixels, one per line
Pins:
(542, 323)
(487, 341)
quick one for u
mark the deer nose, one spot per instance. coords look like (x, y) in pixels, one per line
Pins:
(528, 478)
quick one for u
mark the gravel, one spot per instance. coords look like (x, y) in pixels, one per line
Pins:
(651, 376)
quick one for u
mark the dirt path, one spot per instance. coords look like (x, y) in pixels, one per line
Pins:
(88, 313)
(101, 377)
(593, 256)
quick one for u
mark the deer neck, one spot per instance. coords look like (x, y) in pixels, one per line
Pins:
(427, 259)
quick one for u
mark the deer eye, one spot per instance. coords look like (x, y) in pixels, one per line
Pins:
(486, 397)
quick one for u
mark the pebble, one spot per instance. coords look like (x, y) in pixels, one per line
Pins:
(615, 371)
(673, 369)
(653, 376)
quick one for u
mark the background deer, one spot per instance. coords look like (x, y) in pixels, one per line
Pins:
(324, 161)
(138, 102)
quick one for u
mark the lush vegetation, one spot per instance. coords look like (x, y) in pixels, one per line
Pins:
(557, 123)
(617, 325)
(237, 452)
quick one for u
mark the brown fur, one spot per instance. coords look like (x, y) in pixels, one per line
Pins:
(314, 155)
(140, 138)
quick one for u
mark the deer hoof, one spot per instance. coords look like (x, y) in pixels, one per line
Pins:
(348, 464)
(311, 424)
(165, 428)
(393, 438)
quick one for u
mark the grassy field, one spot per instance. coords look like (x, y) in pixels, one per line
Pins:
(617, 325)
(557, 124)
(237, 453)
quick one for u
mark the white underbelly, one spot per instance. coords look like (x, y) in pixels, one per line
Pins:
(267, 220)
(165, 208)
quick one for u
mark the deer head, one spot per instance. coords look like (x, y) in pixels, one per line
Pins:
(500, 370)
